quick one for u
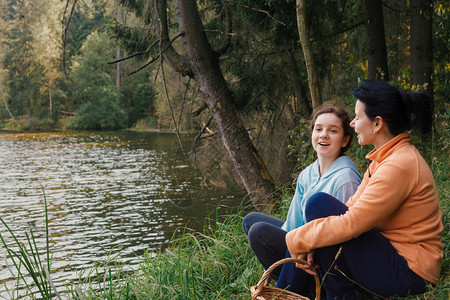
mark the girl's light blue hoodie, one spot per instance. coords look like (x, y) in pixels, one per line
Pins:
(341, 180)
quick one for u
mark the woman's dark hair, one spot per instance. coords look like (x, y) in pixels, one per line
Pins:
(341, 114)
(401, 111)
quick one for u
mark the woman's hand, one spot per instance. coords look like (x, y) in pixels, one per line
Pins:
(310, 266)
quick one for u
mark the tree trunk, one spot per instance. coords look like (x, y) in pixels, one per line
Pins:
(313, 80)
(204, 63)
(7, 109)
(50, 100)
(303, 103)
(376, 44)
(421, 58)
(29, 110)
(120, 21)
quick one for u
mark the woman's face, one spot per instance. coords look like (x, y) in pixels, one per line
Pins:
(364, 127)
(328, 136)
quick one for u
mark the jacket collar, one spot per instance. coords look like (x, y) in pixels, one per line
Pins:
(384, 151)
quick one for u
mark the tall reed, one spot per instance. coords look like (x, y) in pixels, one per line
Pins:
(36, 277)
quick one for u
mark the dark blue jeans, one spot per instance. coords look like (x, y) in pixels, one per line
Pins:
(370, 263)
(266, 239)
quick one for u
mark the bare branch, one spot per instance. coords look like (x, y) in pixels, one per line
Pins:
(177, 129)
(158, 56)
(184, 100)
(69, 113)
(393, 9)
(228, 30)
(198, 111)
(66, 22)
(342, 31)
(201, 132)
(258, 10)
(9, 112)
(135, 54)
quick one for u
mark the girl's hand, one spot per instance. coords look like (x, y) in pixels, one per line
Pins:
(310, 266)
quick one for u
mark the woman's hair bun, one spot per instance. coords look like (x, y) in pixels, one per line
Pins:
(419, 107)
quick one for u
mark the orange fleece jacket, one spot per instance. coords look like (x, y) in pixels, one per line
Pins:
(398, 196)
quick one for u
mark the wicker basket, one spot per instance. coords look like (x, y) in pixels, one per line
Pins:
(262, 291)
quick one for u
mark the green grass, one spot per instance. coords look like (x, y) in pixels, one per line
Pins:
(32, 267)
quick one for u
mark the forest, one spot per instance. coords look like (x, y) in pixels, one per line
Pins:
(237, 71)
(240, 76)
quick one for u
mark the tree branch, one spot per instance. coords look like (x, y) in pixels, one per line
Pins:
(228, 29)
(174, 59)
(166, 92)
(393, 9)
(258, 10)
(9, 112)
(341, 31)
(158, 56)
(198, 111)
(66, 22)
(135, 54)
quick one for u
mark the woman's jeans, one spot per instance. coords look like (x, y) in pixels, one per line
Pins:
(368, 263)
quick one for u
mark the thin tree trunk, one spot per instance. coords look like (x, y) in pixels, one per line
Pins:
(9, 112)
(119, 20)
(303, 103)
(204, 63)
(421, 58)
(29, 110)
(50, 103)
(376, 43)
(313, 80)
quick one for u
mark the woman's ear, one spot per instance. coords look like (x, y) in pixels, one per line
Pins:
(378, 124)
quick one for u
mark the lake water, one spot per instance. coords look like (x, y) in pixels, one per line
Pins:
(107, 194)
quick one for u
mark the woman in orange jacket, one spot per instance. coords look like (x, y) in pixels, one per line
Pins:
(387, 237)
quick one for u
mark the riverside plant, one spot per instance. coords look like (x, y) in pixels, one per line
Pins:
(31, 266)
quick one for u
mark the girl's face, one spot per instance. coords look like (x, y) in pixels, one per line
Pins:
(328, 136)
(364, 127)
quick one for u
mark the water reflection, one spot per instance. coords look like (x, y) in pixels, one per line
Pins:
(121, 192)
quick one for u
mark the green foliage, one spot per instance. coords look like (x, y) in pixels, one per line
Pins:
(87, 18)
(137, 97)
(145, 124)
(24, 74)
(99, 108)
(441, 52)
(301, 146)
(104, 114)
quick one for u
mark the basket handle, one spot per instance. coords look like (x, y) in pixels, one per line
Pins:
(265, 277)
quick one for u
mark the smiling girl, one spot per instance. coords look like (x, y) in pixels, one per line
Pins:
(332, 172)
